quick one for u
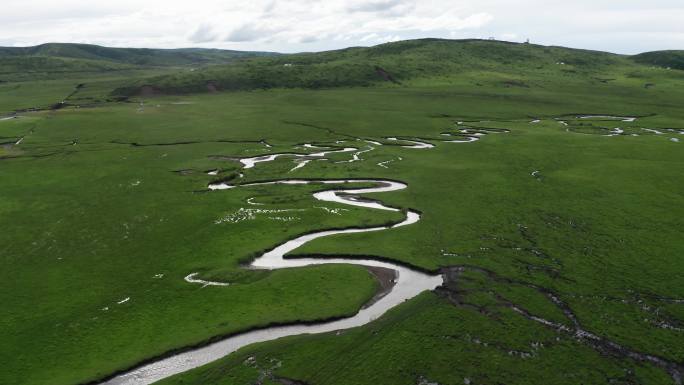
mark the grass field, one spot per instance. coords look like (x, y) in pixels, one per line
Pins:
(104, 210)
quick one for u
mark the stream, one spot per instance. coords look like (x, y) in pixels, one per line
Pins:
(408, 283)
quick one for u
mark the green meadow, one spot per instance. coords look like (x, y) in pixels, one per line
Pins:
(105, 209)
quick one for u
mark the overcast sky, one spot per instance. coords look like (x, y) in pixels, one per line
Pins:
(622, 26)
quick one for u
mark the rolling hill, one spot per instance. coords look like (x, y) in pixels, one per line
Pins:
(512, 64)
(57, 60)
(134, 56)
(666, 59)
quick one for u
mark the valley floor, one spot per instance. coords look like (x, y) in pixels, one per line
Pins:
(553, 218)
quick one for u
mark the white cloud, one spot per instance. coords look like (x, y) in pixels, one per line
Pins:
(308, 25)
(204, 34)
(370, 37)
(250, 32)
(384, 7)
(509, 37)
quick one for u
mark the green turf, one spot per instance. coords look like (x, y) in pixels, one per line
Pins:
(99, 200)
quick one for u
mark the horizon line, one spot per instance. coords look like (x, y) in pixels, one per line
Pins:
(336, 49)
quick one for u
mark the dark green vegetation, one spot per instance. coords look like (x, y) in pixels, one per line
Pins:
(89, 219)
(429, 60)
(61, 67)
(136, 56)
(667, 59)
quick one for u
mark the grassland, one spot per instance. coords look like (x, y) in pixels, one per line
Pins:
(106, 203)
(417, 61)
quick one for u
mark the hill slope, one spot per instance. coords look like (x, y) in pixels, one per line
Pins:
(33, 66)
(666, 59)
(394, 63)
(135, 56)
(58, 61)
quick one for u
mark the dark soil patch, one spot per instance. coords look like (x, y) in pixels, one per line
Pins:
(386, 75)
(515, 83)
(386, 278)
(212, 86)
(149, 90)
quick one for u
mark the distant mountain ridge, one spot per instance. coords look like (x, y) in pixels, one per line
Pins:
(667, 59)
(426, 60)
(131, 56)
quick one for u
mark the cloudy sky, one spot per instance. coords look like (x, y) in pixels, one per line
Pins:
(623, 26)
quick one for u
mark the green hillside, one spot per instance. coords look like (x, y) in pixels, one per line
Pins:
(136, 56)
(667, 59)
(33, 65)
(58, 61)
(394, 63)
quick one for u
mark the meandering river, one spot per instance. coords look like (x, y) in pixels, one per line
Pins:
(408, 284)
